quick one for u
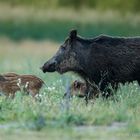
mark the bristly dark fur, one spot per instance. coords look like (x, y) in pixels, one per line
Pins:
(111, 60)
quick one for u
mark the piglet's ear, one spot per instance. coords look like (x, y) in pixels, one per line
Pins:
(73, 34)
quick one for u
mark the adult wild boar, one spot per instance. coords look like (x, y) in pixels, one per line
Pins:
(100, 61)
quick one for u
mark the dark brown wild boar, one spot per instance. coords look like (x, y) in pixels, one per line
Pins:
(10, 83)
(102, 61)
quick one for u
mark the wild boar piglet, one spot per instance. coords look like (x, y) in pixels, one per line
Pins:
(10, 83)
(77, 88)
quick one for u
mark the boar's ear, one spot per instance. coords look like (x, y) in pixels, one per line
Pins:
(73, 34)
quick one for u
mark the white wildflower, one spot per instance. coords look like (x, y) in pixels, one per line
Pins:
(19, 82)
(27, 84)
(38, 96)
(51, 88)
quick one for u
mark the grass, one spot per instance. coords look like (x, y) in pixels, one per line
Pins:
(51, 117)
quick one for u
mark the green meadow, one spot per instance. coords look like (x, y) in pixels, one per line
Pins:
(28, 38)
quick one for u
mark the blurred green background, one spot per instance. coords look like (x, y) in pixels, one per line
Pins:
(52, 19)
(123, 5)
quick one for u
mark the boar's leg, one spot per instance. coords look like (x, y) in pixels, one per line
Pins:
(87, 92)
(92, 91)
(10, 95)
(104, 84)
(139, 82)
(108, 91)
(104, 87)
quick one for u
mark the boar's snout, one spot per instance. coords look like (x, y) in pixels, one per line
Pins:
(49, 66)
